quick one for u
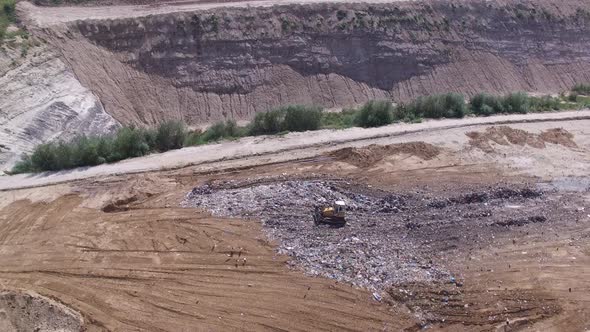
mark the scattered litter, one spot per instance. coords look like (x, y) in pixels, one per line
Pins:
(389, 239)
(377, 297)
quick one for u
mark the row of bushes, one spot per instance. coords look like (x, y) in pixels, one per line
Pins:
(128, 142)
(451, 105)
(132, 142)
(289, 118)
(485, 104)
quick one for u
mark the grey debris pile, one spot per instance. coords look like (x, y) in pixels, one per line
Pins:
(370, 251)
(389, 238)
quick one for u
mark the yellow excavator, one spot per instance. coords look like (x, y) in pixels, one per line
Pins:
(332, 215)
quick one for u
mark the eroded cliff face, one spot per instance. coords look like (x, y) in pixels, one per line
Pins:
(41, 100)
(209, 65)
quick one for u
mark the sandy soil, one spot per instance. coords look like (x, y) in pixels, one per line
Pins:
(253, 151)
(122, 252)
(113, 249)
(47, 16)
(170, 269)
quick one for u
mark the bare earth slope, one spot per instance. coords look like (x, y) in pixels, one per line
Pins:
(41, 100)
(228, 62)
(94, 67)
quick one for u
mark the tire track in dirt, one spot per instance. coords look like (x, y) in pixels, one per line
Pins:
(122, 283)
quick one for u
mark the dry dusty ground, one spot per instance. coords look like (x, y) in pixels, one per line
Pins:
(123, 253)
(47, 16)
(252, 151)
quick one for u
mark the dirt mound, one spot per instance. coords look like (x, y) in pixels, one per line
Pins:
(21, 311)
(370, 155)
(119, 205)
(558, 136)
(125, 203)
(504, 135)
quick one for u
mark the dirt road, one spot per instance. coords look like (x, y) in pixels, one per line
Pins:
(253, 151)
(47, 16)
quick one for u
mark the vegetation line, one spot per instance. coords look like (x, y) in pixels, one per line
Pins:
(131, 142)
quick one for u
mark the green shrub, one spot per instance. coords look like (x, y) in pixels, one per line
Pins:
(215, 132)
(573, 97)
(267, 123)
(485, 104)
(129, 143)
(6, 15)
(405, 113)
(194, 137)
(219, 130)
(170, 135)
(301, 118)
(375, 113)
(544, 104)
(53, 156)
(24, 165)
(334, 120)
(104, 148)
(44, 157)
(234, 131)
(85, 151)
(150, 137)
(64, 154)
(516, 103)
(582, 89)
(8, 8)
(450, 105)
(227, 129)
(81, 151)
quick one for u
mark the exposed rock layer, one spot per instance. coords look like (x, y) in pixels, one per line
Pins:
(41, 101)
(209, 65)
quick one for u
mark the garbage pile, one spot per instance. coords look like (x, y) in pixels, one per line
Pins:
(388, 239)
(359, 253)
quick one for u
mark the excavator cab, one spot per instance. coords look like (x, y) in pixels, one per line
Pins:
(330, 215)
